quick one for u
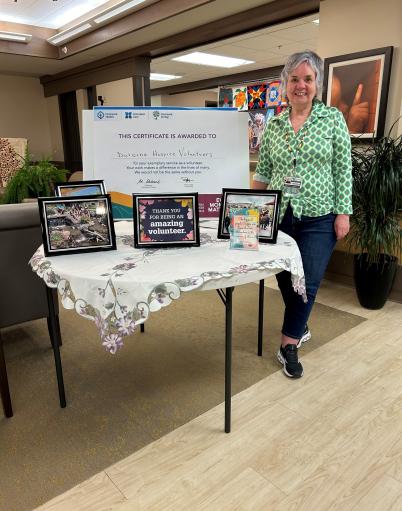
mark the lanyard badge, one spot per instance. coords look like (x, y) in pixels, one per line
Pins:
(292, 184)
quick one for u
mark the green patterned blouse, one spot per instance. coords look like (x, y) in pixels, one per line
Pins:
(323, 161)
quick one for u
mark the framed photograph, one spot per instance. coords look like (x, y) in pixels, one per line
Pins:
(266, 201)
(76, 224)
(357, 84)
(79, 188)
(166, 220)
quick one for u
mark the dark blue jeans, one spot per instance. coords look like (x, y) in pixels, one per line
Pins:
(315, 237)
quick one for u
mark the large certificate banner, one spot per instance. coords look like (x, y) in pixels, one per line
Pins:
(169, 150)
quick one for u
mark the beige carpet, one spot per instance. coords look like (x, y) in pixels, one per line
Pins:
(117, 404)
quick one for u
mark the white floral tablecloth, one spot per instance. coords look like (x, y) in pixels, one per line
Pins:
(118, 289)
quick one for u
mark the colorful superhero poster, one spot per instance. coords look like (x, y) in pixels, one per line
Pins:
(256, 125)
(240, 98)
(225, 97)
(256, 95)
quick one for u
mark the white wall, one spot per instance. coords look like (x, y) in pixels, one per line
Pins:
(56, 141)
(24, 113)
(191, 99)
(118, 93)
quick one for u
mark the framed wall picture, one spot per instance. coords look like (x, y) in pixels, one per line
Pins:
(76, 224)
(266, 201)
(166, 220)
(79, 188)
(357, 84)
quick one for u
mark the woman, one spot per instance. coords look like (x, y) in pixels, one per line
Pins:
(305, 152)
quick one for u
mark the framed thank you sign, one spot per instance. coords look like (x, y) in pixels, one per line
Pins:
(166, 220)
(80, 188)
(76, 224)
(266, 201)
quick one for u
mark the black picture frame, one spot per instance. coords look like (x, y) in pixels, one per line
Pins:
(267, 201)
(72, 225)
(162, 219)
(358, 84)
(80, 188)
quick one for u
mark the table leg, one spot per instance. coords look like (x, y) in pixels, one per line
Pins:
(260, 316)
(142, 327)
(4, 388)
(56, 341)
(228, 359)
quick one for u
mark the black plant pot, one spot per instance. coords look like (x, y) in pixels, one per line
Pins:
(374, 281)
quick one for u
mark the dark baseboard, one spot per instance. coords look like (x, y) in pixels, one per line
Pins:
(340, 269)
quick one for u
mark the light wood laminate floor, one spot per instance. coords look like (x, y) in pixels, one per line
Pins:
(331, 441)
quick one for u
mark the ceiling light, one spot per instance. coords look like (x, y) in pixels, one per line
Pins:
(317, 21)
(162, 77)
(67, 35)
(207, 59)
(15, 36)
(115, 11)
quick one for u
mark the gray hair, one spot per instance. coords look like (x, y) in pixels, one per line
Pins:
(312, 59)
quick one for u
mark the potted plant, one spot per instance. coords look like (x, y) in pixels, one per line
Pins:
(375, 223)
(32, 180)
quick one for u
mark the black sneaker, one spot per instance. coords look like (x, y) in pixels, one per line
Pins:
(305, 337)
(287, 356)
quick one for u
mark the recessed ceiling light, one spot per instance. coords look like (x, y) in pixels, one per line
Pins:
(67, 35)
(317, 21)
(115, 11)
(15, 36)
(162, 77)
(207, 59)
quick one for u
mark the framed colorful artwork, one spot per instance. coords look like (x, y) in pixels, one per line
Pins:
(266, 201)
(225, 97)
(76, 224)
(166, 220)
(256, 95)
(240, 98)
(274, 97)
(79, 188)
(357, 84)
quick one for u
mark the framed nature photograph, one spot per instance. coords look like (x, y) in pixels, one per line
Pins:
(266, 201)
(357, 84)
(79, 188)
(166, 220)
(76, 224)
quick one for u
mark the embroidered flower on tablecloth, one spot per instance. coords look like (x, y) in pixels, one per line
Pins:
(125, 325)
(101, 325)
(124, 266)
(112, 343)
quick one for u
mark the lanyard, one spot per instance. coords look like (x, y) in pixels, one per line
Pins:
(298, 147)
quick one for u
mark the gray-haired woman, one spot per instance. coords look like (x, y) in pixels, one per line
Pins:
(305, 152)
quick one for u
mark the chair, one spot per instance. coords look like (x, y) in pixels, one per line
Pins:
(23, 295)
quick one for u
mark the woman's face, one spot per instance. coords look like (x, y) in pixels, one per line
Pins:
(301, 87)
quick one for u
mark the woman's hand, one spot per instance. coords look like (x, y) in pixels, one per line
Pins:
(341, 226)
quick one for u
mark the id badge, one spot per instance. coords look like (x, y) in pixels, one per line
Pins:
(292, 186)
